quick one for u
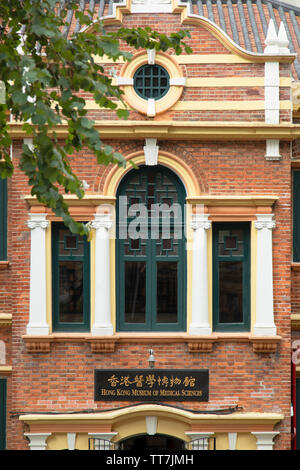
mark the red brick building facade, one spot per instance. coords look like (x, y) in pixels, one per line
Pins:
(220, 137)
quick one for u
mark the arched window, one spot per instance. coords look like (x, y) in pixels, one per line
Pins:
(150, 251)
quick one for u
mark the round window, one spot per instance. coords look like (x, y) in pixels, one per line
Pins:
(151, 81)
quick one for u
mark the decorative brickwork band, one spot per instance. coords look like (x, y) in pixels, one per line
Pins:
(102, 322)
(200, 306)
(264, 277)
(37, 313)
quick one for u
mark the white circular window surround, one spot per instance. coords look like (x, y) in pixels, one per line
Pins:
(151, 107)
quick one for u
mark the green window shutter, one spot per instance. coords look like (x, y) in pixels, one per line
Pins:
(151, 269)
(296, 216)
(231, 276)
(70, 280)
(3, 219)
(2, 414)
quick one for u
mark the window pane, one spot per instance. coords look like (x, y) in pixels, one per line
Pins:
(231, 292)
(70, 291)
(166, 292)
(135, 292)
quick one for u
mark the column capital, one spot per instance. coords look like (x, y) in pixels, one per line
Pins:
(37, 440)
(37, 221)
(265, 221)
(264, 440)
(200, 221)
(102, 221)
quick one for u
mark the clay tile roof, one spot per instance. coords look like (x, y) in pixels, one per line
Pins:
(245, 21)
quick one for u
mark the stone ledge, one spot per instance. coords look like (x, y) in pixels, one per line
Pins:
(195, 344)
(4, 265)
(5, 319)
(265, 344)
(295, 321)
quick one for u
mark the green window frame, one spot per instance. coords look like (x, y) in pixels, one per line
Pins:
(231, 276)
(151, 270)
(151, 81)
(70, 280)
(3, 398)
(3, 219)
(296, 216)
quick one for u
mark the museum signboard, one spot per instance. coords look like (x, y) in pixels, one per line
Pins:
(151, 384)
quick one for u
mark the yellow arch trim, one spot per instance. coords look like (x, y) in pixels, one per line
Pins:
(164, 158)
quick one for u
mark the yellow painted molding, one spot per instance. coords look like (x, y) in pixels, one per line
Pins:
(232, 82)
(254, 105)
(234, 200)
(182, 130)
(295, 321)
(72, 200)
(5, 319)
(213, 105)
(5, 370)
(158, 410)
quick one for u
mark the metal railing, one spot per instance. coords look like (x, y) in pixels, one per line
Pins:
(100, 444)
(203, 443)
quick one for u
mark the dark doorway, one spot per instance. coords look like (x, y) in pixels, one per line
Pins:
(150, 443)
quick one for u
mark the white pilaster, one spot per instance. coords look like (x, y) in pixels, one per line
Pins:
(264, 325)
(37, 312)
(105, 438)
(37, 440)
(199, 440)
(200, 306)
(264, 440)
(102, 324)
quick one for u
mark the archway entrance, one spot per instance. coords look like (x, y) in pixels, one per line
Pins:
(146, 443)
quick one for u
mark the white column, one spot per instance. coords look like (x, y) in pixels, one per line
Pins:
(264, 325)
(37, 314)
(264, 440)
(200, 306)
(105, 438)
(37, 440)
(199, 440)
(102, 324)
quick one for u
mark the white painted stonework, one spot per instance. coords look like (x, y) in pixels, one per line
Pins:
(151, 152)
(151, 56)
(264, 325)
(232, 438)
(272, 149)
(151, 107)
(71, 438)
(151, 6)
(264, 440)
(37, 311)
(151, 425)
(124, 81)
(200, 305)
(37, 440)
(102, 324)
